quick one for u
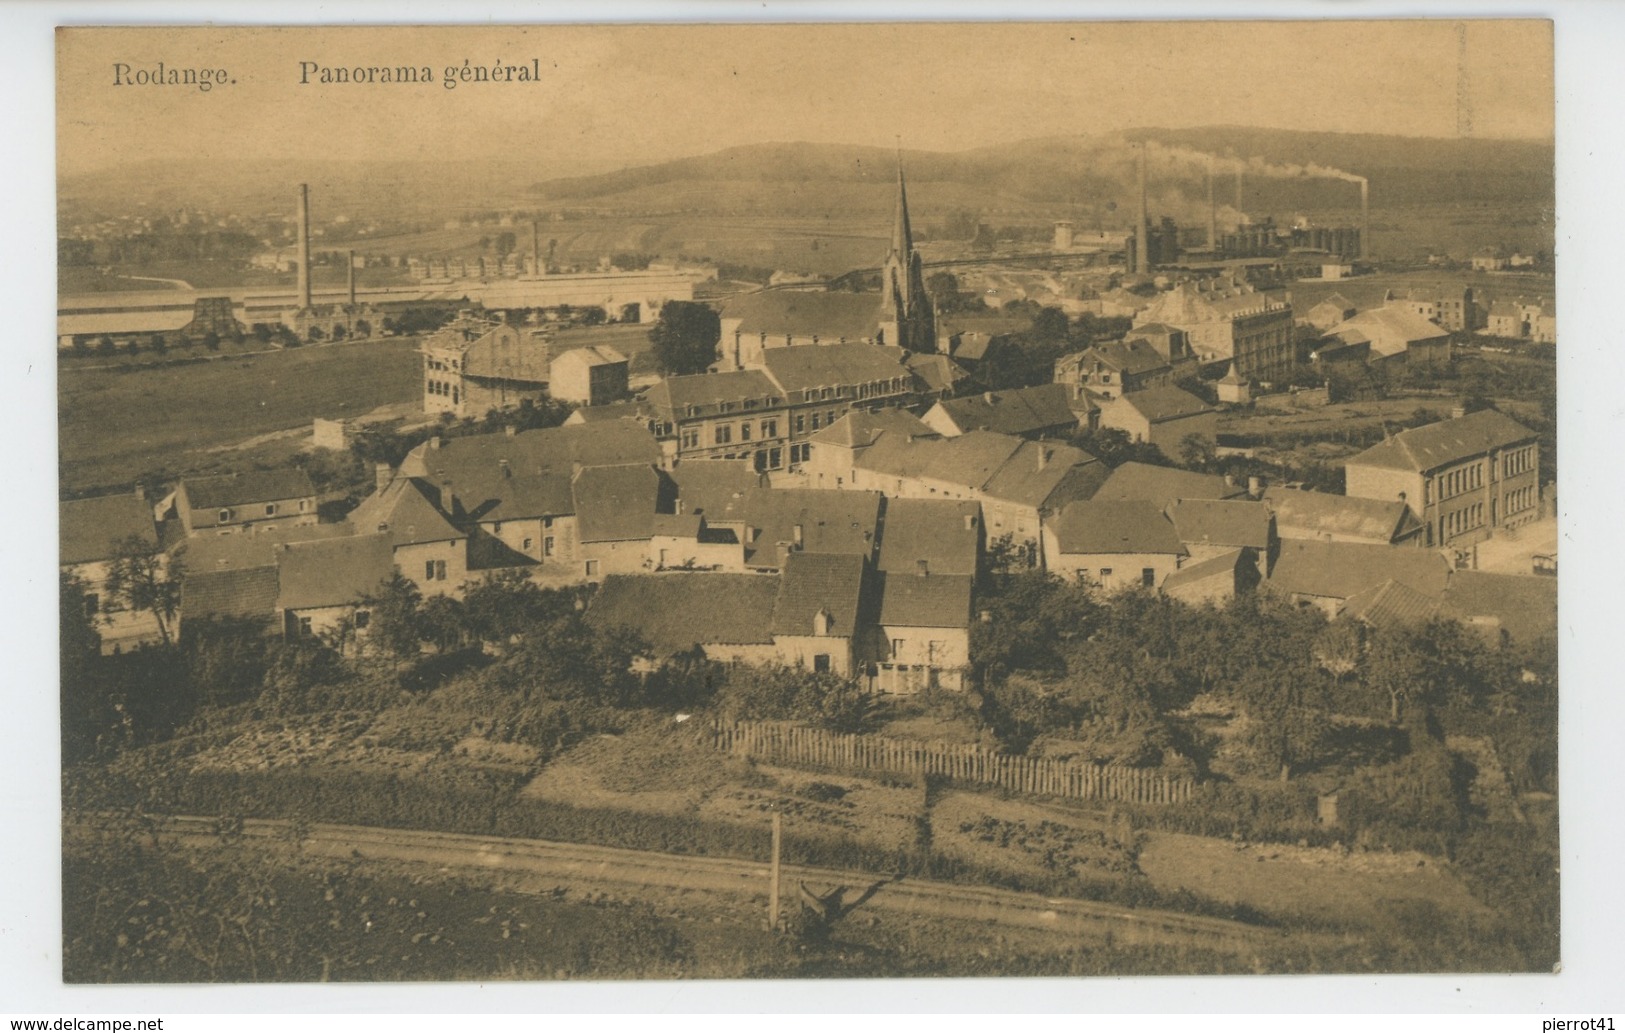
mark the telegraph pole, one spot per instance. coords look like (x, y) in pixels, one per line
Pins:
(773, 877)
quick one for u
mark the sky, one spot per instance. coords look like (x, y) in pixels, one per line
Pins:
(613, 95)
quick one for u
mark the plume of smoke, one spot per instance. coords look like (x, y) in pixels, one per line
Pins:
(1162, 155)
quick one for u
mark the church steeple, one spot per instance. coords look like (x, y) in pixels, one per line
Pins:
(906, 313)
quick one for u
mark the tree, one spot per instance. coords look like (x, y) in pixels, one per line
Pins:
(105, 346)
(1050, 324)
(394, 621)
(685, 338)
(1196, 451)
(85, 709)
(80, 347)
(143, 579)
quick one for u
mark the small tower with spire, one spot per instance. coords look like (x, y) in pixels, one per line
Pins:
(907, 319)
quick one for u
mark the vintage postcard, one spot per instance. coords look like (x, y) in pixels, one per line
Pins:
(690, 502)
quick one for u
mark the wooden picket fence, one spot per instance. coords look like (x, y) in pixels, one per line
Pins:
(796, 744)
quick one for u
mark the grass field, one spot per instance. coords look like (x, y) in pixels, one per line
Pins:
(116, 425)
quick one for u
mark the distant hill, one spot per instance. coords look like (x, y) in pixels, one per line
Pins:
(1080, 171)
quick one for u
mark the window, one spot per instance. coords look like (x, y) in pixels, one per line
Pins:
(1105, 572)
(93, 604)
(304, 627)
(896, 648)
(591, 568)
(691, 439)
(547, 546)
(1148, 577)
(362, 619)
(304, 505)
(724, 434)
(434, 570)
(530, 543)
(270, 509)
(815, 421)
(744, 432)
(770, 428)
(225, 515)
(800, 424)
(821, 663)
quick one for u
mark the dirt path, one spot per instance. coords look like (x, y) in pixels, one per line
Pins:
(545, 866)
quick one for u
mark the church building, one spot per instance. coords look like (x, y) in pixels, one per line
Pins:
(900, 316)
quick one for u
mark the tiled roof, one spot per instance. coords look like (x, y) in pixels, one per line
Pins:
(819, 581)
(998, 465)
(937, 372)
(473, 465)
(590, 355)
(912, 600)
(1313, 513)
(244, 593)
(1094, 527)
(634, 410)
(1231, 522)
(615, 503)
(1524, 605)
(829, 314)
(1338, 570)
(674, 612)
(1448, 441)
(246, 551)
(1158, 404)
(1214, 566)
(704, 394)
(335, 572)
(87, 529)
(242, 489)
(1133, 356)
(1163, 485)
(831, 521)
(403, 510)
(494, 497)
(708, 485)
(830, 365)
(942, 532)
(1391, 602)
(1027, 410)
(861, 428)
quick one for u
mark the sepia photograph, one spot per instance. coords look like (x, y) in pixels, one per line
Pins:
(651, 502)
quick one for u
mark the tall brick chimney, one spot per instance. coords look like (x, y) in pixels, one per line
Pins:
(303, 229)
(352, 279)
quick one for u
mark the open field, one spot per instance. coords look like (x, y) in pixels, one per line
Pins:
(116, 425)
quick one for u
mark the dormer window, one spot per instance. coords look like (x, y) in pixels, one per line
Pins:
(225, 515)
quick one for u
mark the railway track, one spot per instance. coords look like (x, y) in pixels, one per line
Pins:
(575, 865)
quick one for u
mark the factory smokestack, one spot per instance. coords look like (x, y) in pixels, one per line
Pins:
(1212, 210)
(536, 247)
(303, 229)
(352, 279)
(1365, 220)
(1239, 208)
(1142, 229)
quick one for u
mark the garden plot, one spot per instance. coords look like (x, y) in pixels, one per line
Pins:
(880, 812)
(1029, 839)
(651, 770)
(328, 741)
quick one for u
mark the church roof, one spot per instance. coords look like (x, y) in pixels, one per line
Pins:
(831, 315)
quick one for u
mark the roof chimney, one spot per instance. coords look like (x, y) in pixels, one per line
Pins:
(1457, 411)
(382, 475)
(987, 396)
(434, 442)
(448, 501)
(1043, 457)
(510, 430)
(796, 536)
(922, 567)
(507, 471)
(1255, 486)
(970, 522)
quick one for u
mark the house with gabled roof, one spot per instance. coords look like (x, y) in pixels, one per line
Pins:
(1229, 320)
(1212, 580)
(820, 620)
(323, 587)
(1327, 575)
(1028, 412)
(1462, 478)
(1161, 416)
(1213, 527)
(1115, 368)
(1113, 545)
(90, 536)
(1164, 485)
(1331, 310)
(473, 365)
(1017, 482)
(427, 547)
(773, 523)
(729, 616)
(1322, 516)
(925, 578)
(833, 451)
(246, 502)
